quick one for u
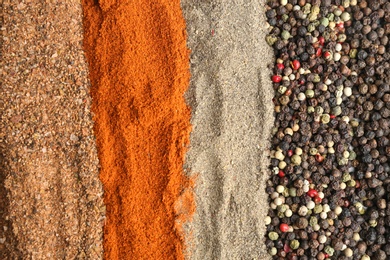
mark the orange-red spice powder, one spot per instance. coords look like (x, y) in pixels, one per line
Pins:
(139, 71)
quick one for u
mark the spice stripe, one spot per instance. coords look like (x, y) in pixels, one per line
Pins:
(139, 72)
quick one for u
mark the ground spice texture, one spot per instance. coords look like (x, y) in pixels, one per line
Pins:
(139, 70)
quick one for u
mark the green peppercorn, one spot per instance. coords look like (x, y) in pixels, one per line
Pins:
(285, 35)
(273, 251)
(373, 222)
(330, 17)
(353, 53)
(273, 235)
(337, 12)
(317, 78)
(313, 221)
(352, 183)
(359, 206)
(318, 110)
(325, 118)
(352, 156)
(329, 250)
(317, 209)
(324, 21)
(285, 193)
(336, 110)
(306, 8)
(346, 177)
(292, 191)
(309, 93)
(296, 159)
(342, 161)
(282, 208)
(294, 244)
(310, 109)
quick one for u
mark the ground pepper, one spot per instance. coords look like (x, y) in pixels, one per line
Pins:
(139, 70)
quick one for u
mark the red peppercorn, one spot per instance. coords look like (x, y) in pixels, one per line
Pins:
(281, 174)
(346, 203)
(319, 52)
(326, 255)
(276, 78)
(321, 40)
(295, 64)
(357, 184)
(332, 116)
(340, 25)
(290, 153)
(317, 199)
(319, 157)
(312, 193)
(288, 92)
(327, 55)
(287, 248)
(280, 66)
(283, 227)
(301, 82)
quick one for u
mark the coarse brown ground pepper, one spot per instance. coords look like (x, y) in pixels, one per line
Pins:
(139, 70)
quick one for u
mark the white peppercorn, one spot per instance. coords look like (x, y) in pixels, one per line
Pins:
(322, 239)
(310, 205)
(288, 213)
(278, 201)
(280, 188)
(282, 165)
(302, 211)
(338, 210)
(348, 252)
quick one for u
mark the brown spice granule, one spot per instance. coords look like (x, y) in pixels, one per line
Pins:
(48, 161)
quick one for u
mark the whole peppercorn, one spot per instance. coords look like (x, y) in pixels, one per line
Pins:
(290, 236)
(329, 250)
(294, 244)
(347, 222)
(304, 244)
(371, 235)
(387, 249)
(284, 227)
(380, 255)
(362, 247)
(275, 221)
(273, 235)
(382, 240)
(302, 223)
(362, 55)
(337, 244)
(302, 235)
(381, 203)
(313, 243)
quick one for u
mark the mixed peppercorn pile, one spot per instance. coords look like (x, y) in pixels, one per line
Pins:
(329, 188)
